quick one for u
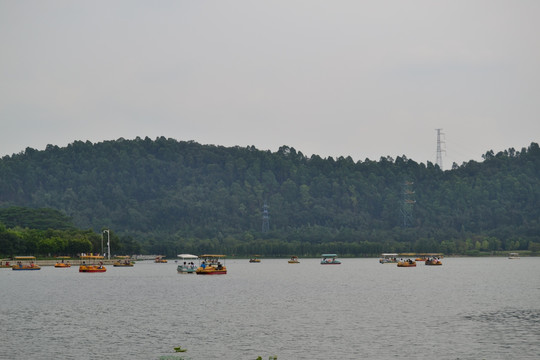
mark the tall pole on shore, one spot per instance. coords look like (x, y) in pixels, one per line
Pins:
(108, 244)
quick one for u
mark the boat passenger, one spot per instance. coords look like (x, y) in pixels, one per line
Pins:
(203, 265)
(219, 267)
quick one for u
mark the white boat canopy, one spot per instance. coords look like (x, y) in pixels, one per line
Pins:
(188, 256)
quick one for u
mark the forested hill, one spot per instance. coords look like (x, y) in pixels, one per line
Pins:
(173, 195)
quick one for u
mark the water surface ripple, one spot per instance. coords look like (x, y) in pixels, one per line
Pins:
(486, 308)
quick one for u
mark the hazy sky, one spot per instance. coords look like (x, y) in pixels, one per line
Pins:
(333, 78)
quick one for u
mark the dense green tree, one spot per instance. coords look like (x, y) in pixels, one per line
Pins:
(163, 196)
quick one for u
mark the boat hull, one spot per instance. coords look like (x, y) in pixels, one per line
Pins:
(183, 270)
(61, 265)
(92, 269)
(27, 267)
(406, 264)
(330, 259)
(211, 271)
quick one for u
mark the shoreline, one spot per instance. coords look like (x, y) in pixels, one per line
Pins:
(73, 262)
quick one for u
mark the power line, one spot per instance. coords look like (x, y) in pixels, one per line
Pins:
(407, 204)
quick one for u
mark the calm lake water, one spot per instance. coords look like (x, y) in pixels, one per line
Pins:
(469, 308)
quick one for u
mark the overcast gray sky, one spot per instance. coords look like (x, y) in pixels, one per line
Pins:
(333, 78)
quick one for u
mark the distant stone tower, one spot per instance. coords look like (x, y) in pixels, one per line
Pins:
(266, 219)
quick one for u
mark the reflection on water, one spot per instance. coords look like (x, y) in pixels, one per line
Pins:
(512, 330)
(517, 317)
(465, 309)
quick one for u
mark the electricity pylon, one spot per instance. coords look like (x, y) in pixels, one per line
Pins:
(266, 219)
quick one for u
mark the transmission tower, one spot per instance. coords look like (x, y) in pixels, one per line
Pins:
(407, 204)
(266, 219)
(440, 150)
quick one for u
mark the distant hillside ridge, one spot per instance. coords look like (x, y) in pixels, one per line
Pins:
(170, 194)
(41, 219)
